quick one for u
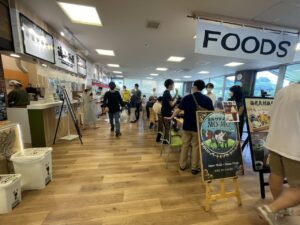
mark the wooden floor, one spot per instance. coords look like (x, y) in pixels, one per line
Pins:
(124, 181)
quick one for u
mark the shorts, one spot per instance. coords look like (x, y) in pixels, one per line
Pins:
(286, 168)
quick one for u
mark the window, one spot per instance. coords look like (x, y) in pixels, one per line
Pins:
(292, 75)
(219, 86)
(119, 83)
(266, 81)
(229, 82)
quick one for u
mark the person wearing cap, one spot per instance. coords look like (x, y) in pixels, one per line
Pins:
(113, 103)
(17, 97)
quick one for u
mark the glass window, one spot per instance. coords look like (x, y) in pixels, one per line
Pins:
(119, 83)
(292, 75)
(218, 82)
(229, 82)
(179, 86)
(266, 81)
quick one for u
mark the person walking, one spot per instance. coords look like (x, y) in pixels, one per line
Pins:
(113, 103)
(138, 94)
(283, 141)
(126, 98)
(190, 104)
(132, 106)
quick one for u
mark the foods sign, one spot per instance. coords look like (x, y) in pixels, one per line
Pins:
(258, 121)
(219, 146)
(65, 57)
(244, 42)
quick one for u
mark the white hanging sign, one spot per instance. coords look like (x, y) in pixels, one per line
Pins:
(65, 57)
(243, 42)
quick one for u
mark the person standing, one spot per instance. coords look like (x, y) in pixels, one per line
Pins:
(210, 94)
(154, 94)
(89, 109)
(126, 97)
(236, 94)
(17, 97)
(138, 94)
(168, 104)
(283, 141)
(132, 106)
(190, 104)
(113, 103)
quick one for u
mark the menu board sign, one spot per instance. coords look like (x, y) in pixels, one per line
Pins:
(258, 122)
(81, 65)
(6, 39)
(65, 57)
(220, 150)
(37, 42)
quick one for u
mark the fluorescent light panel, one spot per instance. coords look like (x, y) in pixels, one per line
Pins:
(204, 72)
(149, 78)
(117, 72)
(161, 69)
(113, 65)
(15, 55)
(234, 64)
(177, 79)
(298, 47)
(175, 59)
(187, 76)
(119, 76)
(81, 13)
(154, 74)
(105, 52)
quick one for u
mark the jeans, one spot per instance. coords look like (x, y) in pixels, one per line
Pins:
(114, 119)
(137, 111)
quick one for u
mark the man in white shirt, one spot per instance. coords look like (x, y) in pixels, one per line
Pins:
(210, 94)
(284, 144)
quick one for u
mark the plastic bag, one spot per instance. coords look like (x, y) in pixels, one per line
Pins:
(124, 116)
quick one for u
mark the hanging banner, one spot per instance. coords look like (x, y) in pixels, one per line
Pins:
(258, 122)
(214, 38)
(65, 57)
(220, 150)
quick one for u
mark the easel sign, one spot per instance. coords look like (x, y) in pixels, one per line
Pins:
(221, 156)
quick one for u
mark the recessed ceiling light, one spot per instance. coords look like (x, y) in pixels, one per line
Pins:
(187, 77)
(195, 37)
(175, 59)
(204, 72)
(234, 64)
(113, 65)
(177, 79)
(81, 13)
(44, 65)
(154, 74)
(149, 78)
(298, 47)
(118, 72)
(105, 52)
(161, 69)
(119, 76)
(62, 34)
(15, 55)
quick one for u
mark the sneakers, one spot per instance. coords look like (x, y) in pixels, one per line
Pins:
(195, 171)
(118, 134)
(112, 129)
(267, 215)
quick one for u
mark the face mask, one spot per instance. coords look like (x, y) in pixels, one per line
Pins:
(209, 89)
(230, 94)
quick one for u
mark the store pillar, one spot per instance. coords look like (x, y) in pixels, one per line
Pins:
(247, 79)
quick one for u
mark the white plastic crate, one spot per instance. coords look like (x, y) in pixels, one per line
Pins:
(10, 192)
(35, 166)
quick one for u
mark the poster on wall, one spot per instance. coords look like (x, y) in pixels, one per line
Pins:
(258, 122)
(37, 42)
(65, 57)
(81, 66)
(231, 112)
(220, 150)
(221, 39)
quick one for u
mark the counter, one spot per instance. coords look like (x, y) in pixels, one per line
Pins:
(43, 120)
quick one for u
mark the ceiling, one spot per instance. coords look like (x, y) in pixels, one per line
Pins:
(140, 50)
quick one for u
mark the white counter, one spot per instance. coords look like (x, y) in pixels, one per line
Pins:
(47, 105)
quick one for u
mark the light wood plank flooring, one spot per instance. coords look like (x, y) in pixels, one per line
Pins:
(124, 181)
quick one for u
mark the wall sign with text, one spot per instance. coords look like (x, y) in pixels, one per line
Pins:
(220, 149)
(243, 42)
(37, 42)
(65, 57)
(81, 65)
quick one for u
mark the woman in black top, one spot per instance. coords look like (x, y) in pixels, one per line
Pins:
(236, 94)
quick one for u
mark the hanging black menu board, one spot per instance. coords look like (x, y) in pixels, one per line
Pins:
(36, 41)
(258, 122)
(81, 65)
(220, 150)
(6, 38)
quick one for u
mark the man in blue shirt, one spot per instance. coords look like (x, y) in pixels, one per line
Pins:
(190, 104)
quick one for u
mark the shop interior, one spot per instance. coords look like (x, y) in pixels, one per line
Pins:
(57, 55)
